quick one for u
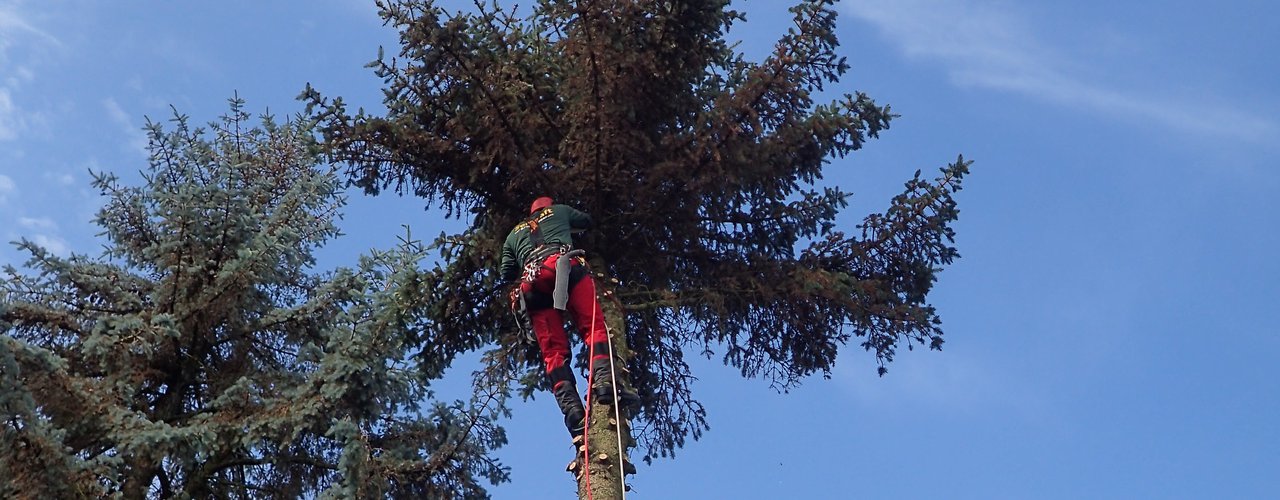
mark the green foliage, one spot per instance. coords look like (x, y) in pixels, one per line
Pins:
(201, 357)
(701, 168)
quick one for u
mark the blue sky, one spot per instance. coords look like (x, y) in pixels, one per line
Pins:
(1110, 330)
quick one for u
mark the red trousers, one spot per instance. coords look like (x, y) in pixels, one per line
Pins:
(548, 324)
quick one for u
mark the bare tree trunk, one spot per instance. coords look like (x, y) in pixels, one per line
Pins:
(608, 429)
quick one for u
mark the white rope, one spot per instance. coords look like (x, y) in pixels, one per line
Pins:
(617, 412)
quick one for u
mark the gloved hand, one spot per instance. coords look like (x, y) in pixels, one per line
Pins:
(513, 297)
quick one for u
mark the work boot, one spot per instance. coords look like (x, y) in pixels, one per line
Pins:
(566, 394)
(602, 387)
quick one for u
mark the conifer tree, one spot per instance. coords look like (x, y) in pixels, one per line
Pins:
(702, 169)
(202, 356)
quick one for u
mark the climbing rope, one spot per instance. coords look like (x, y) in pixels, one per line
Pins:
(617, 412)
(617, 409)
(586, 424)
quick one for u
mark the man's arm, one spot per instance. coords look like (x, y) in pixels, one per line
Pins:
(578, 220)
(510, 269)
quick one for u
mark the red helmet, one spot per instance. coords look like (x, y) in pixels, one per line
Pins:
(539, 204)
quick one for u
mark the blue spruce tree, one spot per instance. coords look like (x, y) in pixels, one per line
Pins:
(203, 356)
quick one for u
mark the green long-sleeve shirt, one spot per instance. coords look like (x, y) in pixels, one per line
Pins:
(556, 223)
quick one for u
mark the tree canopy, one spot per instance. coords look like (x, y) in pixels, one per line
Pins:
(202, 356)
(702, 169)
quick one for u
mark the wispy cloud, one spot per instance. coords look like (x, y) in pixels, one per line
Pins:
(38, 223)
(990, 44)
(19, 76)
(10, 119)
(13, 24)
(7, 188)
(15, 30)
(64, 179)
(54, 244)
(137, 139)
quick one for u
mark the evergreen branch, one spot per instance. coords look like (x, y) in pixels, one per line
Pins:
(516, 136)
(439, 459)
(782, 63)
(944, 185)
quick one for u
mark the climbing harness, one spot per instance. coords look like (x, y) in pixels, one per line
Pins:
(567, 275)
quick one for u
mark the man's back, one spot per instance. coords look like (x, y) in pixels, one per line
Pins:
(554, 224)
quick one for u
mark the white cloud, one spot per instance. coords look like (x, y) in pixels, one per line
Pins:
(16, 30)
(19, 76)
(7, 187)
(10, 19)
(991, 45)
(137, 138)
(116, 112)
(40, 223)
(64, 179)
(54, 244)
(369, 10)
(13, 24)
(10, 119)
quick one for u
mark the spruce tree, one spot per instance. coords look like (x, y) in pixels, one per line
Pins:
(703, 170)
(203, 356)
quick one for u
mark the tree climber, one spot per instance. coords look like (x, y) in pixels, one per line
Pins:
(553, 277)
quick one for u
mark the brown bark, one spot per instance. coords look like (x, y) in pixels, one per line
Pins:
(607, 426)
(137, 482)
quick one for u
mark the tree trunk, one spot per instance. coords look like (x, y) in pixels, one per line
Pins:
(138, 479)
(608, 429)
